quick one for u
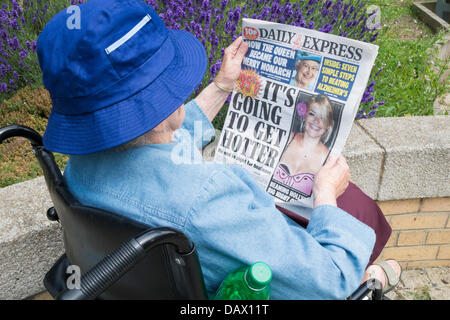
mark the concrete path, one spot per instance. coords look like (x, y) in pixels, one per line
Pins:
(423, 284)
(416, 284)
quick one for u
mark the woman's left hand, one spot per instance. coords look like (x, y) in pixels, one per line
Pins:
(331, 181)
(231, 64)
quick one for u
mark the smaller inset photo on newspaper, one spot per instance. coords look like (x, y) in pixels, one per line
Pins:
(306, 70)
(314, 129)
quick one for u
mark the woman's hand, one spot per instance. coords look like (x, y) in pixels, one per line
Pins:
(231, 65)
(212, 98)
(331, 181)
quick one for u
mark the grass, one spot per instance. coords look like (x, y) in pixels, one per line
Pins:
(407, 84)
(30, 107)
(421, 293)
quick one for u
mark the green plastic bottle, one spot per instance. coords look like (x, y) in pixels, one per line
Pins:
(247, 283)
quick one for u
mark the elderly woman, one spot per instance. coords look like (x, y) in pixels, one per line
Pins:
(118, 86)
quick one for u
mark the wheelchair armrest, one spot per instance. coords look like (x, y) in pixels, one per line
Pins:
(119, 262)
(370, 286)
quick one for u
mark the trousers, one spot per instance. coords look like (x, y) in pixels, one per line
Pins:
(355, 202)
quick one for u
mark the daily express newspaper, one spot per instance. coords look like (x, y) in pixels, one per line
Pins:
(293, 105)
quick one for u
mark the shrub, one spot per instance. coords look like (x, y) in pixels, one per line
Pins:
(216, 23)
(29, 107)
(19, 27)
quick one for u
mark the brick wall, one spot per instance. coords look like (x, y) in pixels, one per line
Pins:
(420, 232)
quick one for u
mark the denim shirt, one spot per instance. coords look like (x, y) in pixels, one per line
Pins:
(226, 213)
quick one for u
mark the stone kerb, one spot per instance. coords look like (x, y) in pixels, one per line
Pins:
(29, 242)
(416, 156)
(365, 159)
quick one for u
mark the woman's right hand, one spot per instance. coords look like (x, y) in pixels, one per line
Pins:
(232, 62)
(331, 181)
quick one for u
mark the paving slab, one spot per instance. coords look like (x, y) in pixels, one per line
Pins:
(423, 284)
(441, 105)
(414, 279)
(440, 293)
(417, 154)
(439, 275)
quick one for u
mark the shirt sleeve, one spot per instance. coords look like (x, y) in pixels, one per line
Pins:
(235, 222)
(197, 125)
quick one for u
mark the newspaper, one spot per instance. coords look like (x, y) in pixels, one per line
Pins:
(293, 105)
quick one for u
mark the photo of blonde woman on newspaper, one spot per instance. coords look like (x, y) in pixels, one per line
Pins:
(314, 128)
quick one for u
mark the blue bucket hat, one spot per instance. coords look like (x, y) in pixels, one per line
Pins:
(115, 76)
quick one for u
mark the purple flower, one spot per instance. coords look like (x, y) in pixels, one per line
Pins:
(23, 54)
(327, 28)
(301, 109)
(215, 68)
(374, 37)
(237, 14)
(223, 4)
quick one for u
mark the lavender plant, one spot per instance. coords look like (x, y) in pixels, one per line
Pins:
(216, 23)
(19, 27)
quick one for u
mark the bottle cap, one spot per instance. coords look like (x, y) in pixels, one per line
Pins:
(259, 275)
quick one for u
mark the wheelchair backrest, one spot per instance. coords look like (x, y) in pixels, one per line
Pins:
(90, 234)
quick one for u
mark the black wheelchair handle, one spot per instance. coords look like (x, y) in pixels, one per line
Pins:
(105, 273)
(370, 286)
(119, 262)
(157, 236)
(21, 131)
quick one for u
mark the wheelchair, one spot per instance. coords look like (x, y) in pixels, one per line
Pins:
(122, 258)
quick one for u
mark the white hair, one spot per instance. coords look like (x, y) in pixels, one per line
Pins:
(137, 142)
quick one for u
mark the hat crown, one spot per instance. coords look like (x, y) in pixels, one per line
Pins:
(115, 75)
(75, 59)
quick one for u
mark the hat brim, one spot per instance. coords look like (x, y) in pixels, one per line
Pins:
(128, 119)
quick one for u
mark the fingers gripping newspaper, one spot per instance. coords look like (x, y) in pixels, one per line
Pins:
(292, 106)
